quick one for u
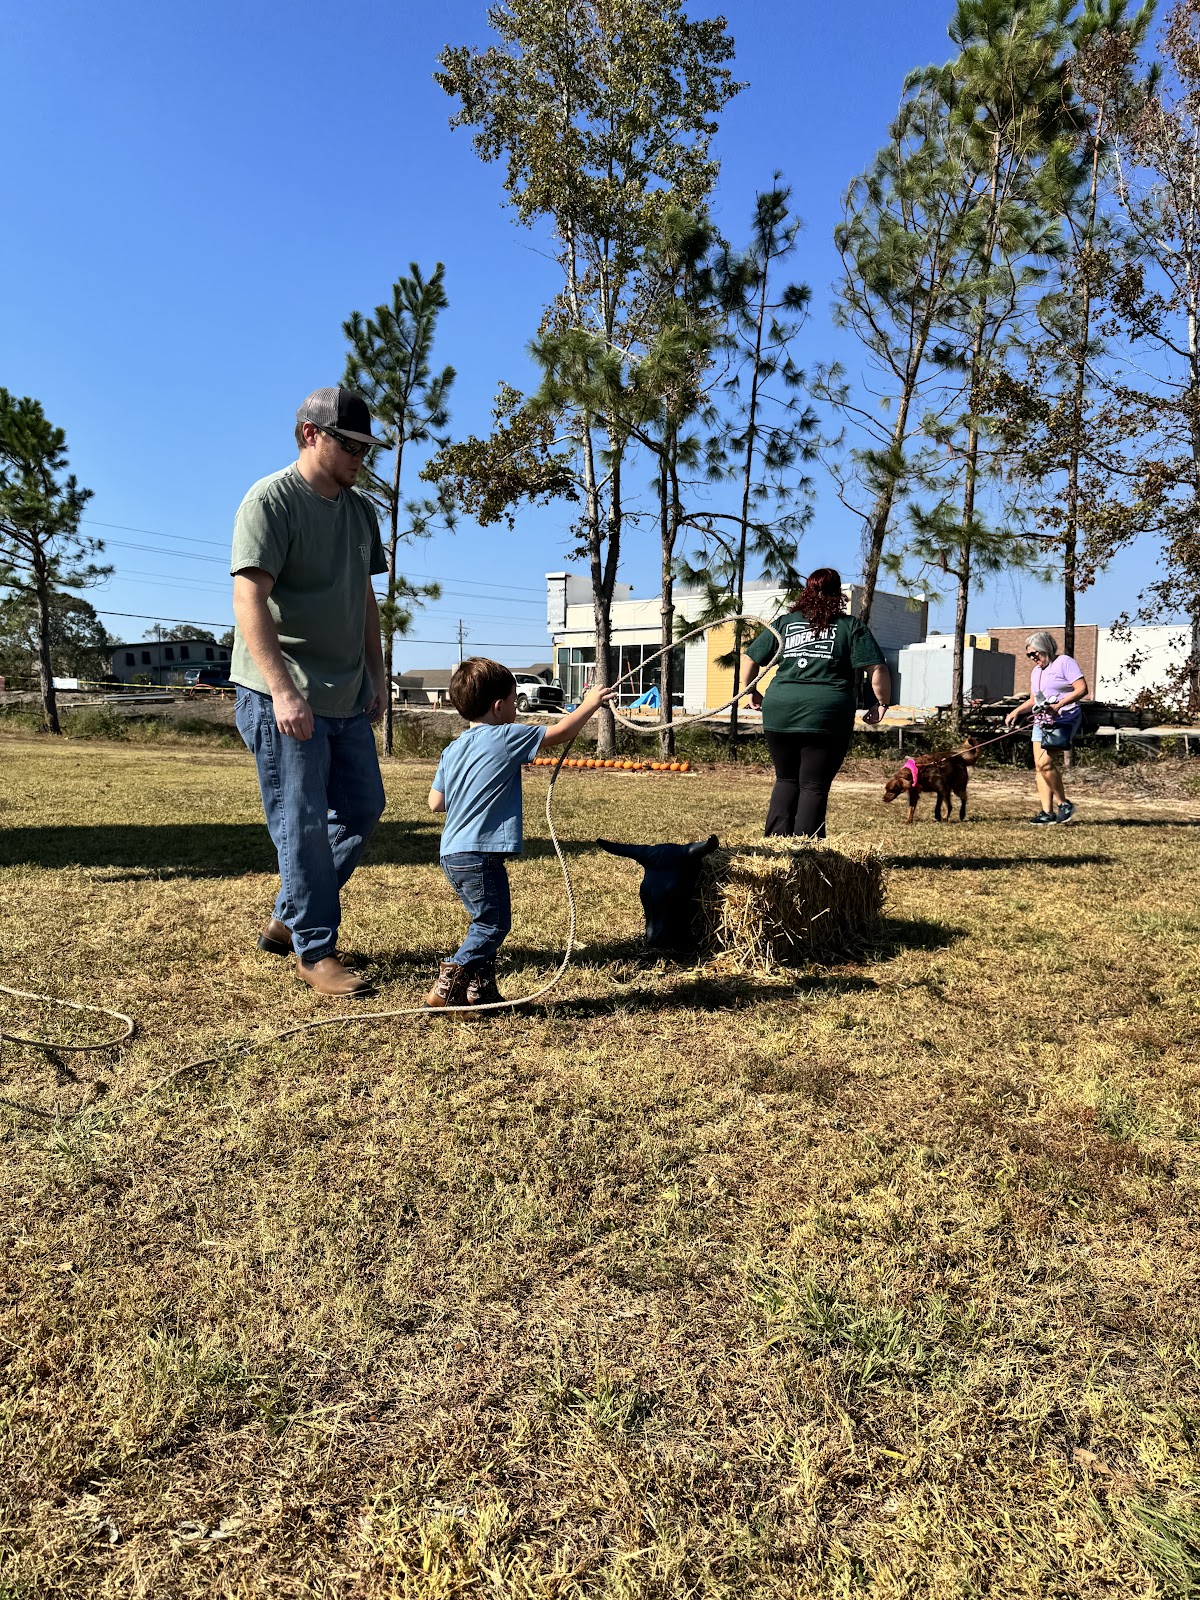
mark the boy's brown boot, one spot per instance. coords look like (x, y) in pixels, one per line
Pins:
(481, 984)
(450, 986)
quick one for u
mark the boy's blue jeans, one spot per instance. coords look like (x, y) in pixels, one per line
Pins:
(480, 880)
(322, 798)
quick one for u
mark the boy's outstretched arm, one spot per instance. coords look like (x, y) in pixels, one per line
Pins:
(437, 800)
(563, 732)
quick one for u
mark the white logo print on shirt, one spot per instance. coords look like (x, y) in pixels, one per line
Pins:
(804, 645)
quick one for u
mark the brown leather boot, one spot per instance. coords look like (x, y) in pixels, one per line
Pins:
(276, 938)
(481, 984)
(449, 987)
(331, 976)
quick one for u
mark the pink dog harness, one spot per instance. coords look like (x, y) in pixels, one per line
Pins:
(910, 766)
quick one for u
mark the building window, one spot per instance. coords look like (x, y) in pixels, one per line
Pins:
(639, 659)
(208, 655)
(224, 655)
(575, 668)
(169, 652)
(183, 653)
(577, 663)
(145, 658)
(129, 662)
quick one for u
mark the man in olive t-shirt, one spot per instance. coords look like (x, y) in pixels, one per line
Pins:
(308, 663)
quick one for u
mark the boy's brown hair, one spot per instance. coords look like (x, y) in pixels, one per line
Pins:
(476, 684)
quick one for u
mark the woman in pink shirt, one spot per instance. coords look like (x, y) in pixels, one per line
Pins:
(1056, 686)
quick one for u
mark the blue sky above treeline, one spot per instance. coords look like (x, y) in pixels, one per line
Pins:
(201, 196)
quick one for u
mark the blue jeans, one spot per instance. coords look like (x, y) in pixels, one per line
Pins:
(322, 798)
(480, 881)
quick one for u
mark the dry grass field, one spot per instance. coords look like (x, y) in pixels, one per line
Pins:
(874, 1280)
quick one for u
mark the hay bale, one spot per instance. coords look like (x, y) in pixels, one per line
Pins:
(783, 902)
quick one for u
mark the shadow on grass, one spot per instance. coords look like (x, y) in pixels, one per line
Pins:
(213, 849)
(628, 959)
(897, 934)
(1140, 822)
(990, 863)
(695, 992)
(646, 981)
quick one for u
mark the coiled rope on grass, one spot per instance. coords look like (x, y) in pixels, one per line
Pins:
(70, 1005)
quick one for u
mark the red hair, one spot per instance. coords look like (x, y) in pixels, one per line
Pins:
(821, 602)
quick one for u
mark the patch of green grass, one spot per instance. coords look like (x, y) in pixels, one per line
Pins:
(1121, 1117)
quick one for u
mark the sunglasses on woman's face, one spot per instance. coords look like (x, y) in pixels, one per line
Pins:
(1033, 655)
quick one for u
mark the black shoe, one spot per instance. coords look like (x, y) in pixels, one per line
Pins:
(1044, 819)
(1065, 812)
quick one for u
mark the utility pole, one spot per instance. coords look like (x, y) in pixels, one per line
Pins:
(460, 640)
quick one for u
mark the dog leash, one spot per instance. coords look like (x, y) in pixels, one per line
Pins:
(1017, 727)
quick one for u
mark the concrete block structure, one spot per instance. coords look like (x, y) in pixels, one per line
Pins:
(926, 672)
(1150, 658)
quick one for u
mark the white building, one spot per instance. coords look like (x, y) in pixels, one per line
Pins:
(1151, 658)
(699, 682)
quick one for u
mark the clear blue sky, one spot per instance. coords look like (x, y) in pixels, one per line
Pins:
(203, 193)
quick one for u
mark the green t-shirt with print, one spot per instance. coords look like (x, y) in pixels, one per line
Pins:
(321, 554)
(814, 689)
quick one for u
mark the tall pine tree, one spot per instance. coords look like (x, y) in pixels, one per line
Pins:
(602, 115)
(390, 364)
(42, 552)
(767, 433)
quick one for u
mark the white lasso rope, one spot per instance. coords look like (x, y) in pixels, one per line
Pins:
(346, 1018)
(71, 1005)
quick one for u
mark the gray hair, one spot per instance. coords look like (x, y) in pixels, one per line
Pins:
(1044, 643)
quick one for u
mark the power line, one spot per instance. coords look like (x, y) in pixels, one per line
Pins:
(191, 622)
(428, 607)
(176, 555)
(223, 544)
(140, 616)
(156, 533)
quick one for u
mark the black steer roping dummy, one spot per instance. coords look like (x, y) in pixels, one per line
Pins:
(670, 873)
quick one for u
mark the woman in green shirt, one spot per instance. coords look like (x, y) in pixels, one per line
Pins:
(808, 709)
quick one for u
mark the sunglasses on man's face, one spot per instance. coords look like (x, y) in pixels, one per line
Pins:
(352, 447)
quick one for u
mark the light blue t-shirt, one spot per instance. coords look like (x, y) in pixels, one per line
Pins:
(480, 776)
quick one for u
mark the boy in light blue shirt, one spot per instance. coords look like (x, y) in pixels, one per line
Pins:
(478, 786)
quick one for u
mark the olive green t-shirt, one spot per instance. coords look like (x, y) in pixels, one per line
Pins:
(814, 689)
(321, 554)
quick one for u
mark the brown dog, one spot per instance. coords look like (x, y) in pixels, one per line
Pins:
(942, 774)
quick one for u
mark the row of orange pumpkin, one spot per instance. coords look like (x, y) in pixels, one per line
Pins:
(617, 765)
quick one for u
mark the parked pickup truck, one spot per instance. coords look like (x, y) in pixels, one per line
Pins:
(533, 694)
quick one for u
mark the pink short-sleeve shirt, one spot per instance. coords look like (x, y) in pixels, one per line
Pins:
(1057, 679)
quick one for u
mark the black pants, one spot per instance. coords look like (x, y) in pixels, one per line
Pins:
(805, 766)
